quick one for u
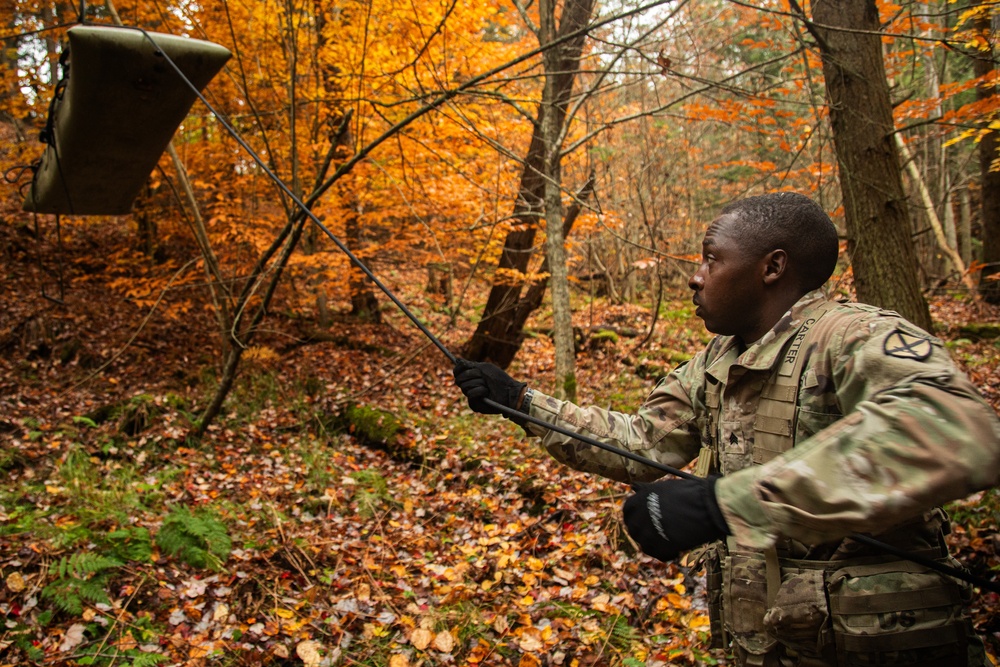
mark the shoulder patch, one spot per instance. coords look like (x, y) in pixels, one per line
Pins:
(906, 345)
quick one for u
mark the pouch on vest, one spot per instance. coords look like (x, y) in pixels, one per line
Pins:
(745, 593)
(898, 614)
(800, 616)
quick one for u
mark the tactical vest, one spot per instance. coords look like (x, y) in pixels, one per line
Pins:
(777, 608)
(774, 422)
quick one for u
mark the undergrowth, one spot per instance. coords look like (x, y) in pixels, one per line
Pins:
(197, 538)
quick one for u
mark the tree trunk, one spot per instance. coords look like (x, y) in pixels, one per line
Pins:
(497, 337)
(536, 292)
(364, 305)
(555, 241)
(879, 230)
(965, 225)
(990, 190)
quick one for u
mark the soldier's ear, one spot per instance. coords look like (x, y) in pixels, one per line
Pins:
(775, 265)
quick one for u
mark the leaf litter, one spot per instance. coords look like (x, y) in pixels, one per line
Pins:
(481, 550)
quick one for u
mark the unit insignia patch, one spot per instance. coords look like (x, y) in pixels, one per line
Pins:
(904, 345)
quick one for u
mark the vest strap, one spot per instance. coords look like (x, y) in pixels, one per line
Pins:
(911, 639)
(774, 424)
(882, 602)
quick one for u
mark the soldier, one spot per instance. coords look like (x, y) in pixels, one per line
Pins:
(809, 420)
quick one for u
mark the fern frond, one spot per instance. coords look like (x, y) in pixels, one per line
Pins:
(80, 577)
(82, 565)
(200, 540)
(64, 596)
(147, 659)
(92, 590)
(131, 544)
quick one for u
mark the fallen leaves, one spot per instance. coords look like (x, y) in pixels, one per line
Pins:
(15, 582)
(73, 637)
(494, 555)
(309, 652)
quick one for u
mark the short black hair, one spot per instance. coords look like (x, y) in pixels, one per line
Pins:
(795, 224)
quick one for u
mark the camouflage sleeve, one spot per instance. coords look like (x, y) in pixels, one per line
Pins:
(665, 428)
(915, 434)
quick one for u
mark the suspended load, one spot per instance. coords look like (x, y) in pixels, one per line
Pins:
(110, 125)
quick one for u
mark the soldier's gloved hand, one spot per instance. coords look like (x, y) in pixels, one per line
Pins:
(668, 517)
(480, 380)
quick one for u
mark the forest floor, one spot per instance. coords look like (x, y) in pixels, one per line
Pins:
(346, 508)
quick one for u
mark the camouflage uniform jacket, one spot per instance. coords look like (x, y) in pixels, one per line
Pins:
(886, 427)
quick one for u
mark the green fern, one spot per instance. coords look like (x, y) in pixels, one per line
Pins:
(106, 656)
(147, 659)
(82, 565)
(130, 544)
(82, 577)
(199, 539)
(621, 634)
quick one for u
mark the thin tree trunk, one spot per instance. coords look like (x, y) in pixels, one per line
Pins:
(364, 304)
(879, 229)
(965, 224)
(940, 233)
(212, 270)
(536, 292)
(990, 191)
(555, 242)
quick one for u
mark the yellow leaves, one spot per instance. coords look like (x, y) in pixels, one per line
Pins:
(479, 652)
(677, 601)
(15, 582)
(973, 13)
(444, 642)
(528, 660)
(700, 622)
(601, 602)
(963, 135)
(421, 638)
(979, 43)
(504, 276)
(261, 355)
(201, 651)
(425, 637)
(530, 639)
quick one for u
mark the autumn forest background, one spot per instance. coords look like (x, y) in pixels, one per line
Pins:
(222, 445)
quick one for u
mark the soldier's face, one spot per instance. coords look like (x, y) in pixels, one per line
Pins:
(728, 285)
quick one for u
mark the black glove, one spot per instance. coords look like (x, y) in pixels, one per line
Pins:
(479, 380)
(668, 517)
